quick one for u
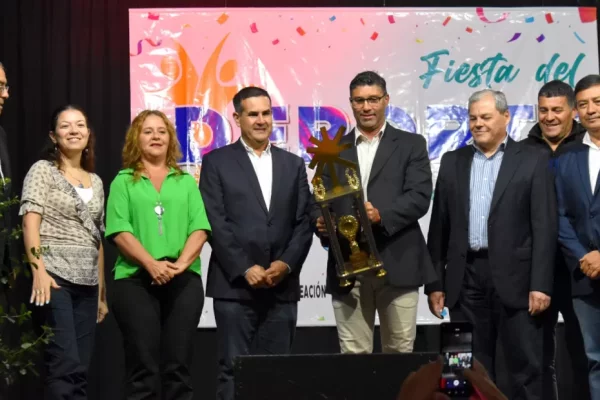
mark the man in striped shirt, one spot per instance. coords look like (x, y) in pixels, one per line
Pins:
(492, 239)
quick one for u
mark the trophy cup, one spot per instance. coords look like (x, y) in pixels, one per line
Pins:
(350, 235)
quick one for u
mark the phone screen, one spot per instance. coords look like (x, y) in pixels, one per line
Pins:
(457, 350)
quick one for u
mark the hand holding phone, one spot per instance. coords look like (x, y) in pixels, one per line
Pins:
(457, 352)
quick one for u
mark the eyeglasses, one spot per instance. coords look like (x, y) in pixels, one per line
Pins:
(3, 89)
(359, 101)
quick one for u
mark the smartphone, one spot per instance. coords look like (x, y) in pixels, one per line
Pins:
(457, 350)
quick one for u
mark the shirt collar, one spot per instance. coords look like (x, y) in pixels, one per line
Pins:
(500, 148)
(131, 171)
(251, 150)
(360, 137)
(587, 140)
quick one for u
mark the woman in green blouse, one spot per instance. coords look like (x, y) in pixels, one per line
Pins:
(156, 218)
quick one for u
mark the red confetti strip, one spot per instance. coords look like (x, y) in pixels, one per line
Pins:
(253, 28)
(549, 18)
(222, 19)
(391, 19)
(139, 46)
(481, 15)
(374, 35)
(300, 31)
(276, 41)
(446, 20)
(362, 21)
(469, 29)
(153, 17)
(587, 14)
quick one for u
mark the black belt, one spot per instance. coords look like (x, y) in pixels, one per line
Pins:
(482, 253)
(168, 259)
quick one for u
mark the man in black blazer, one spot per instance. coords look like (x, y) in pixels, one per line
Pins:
(556, 133)
(577, 187)
(492, 240)
(256, 197)
(394, 169)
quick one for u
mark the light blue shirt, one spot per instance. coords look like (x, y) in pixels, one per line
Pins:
(484, 172)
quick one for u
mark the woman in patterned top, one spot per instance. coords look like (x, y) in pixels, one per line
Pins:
(63, 208)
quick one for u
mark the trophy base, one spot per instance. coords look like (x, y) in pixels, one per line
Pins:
(345, 283)
(361, 263)
(381, 273)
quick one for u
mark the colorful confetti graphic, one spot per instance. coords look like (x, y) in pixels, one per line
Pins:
(515, 37)
(139, 46)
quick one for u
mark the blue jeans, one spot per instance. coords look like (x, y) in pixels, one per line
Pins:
(72, 315)
(587, 309)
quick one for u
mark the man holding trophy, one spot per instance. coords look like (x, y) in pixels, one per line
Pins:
(371, 187)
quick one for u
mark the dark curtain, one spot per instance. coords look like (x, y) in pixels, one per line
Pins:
(57, 52)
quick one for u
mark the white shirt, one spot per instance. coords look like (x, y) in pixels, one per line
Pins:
(366, 149)
(86, 194)
(263, 167)
(593, 160)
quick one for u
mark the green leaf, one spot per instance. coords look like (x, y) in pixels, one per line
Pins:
(23, 371)
(25, 346)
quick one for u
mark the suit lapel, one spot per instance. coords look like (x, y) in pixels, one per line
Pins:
(278, 172)
(584, 171)
(510, 163)
(463, 176)
(386, 148)
(248, 172)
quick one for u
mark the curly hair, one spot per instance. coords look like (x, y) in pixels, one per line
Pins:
(132, 154)
(52, 153)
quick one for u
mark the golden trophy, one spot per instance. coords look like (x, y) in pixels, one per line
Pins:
(350, 235)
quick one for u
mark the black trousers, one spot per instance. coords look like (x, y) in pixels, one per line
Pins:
(158, 325)
(270, 325)
(72, 315)
(563, 303)
(522, 335)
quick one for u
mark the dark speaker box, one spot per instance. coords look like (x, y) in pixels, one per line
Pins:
(325, 376)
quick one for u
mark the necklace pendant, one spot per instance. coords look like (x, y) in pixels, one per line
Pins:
(80, 186)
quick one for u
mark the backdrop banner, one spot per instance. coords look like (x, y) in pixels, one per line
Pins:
(189, 63)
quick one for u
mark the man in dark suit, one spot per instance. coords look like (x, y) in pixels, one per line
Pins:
(256, 197)
(556, 133)
(577, 190)
(394, 169)
(492, 239)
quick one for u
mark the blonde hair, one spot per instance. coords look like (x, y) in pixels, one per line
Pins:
(132, 154)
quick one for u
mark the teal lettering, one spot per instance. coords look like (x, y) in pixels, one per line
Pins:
(494, 68)
(432, 60)
(563, 71)
(560, 70)
(504, 74)
(448, 74)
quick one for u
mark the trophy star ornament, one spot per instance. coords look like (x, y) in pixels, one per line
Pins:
(354, 226)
